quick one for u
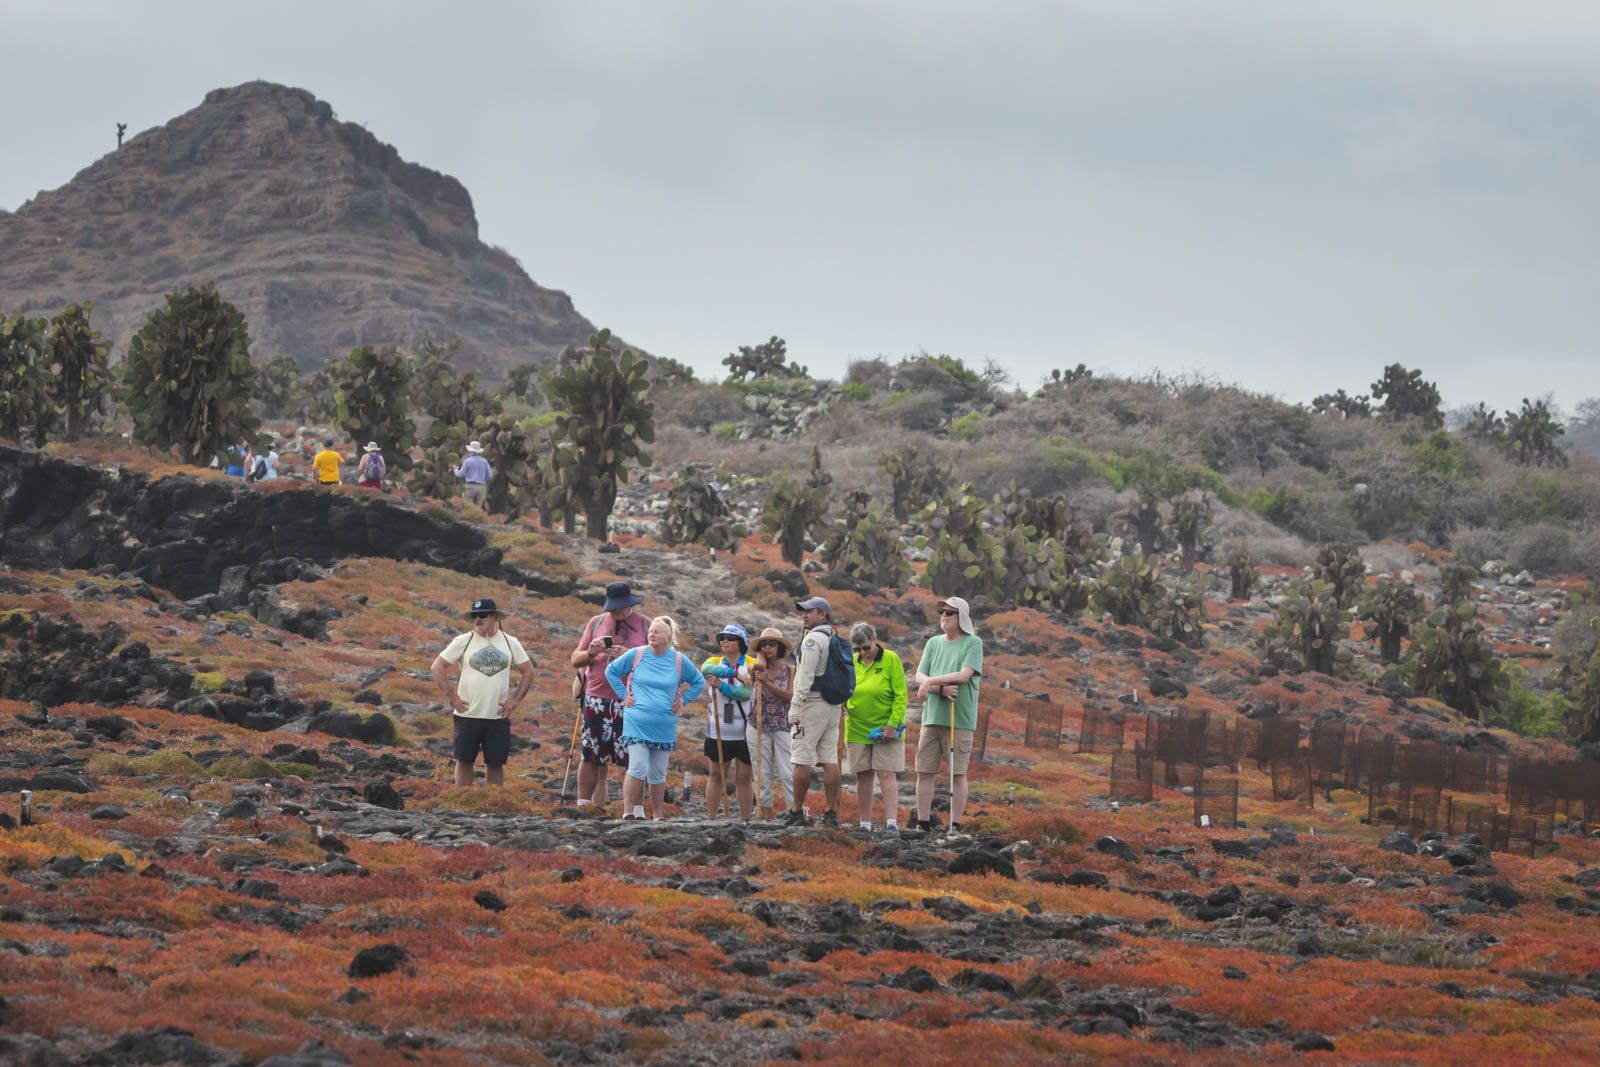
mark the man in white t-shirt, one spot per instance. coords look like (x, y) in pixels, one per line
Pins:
(482, 700)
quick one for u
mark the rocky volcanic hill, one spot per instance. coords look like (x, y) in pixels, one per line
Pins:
(319, 232)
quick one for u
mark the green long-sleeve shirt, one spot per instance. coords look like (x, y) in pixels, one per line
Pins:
(879, 699)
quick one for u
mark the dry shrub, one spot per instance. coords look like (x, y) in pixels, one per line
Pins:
(759, 591)
(1477, 545)
(1543, 548)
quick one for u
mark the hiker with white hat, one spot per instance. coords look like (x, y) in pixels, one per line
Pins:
(369, 472)
(482, 699)
(476, 472)
(947, 683)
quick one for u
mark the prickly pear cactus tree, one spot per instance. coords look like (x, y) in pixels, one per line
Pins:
(915, 475)
(1583, 709)
(277, 387)
(371, 401)
(450, 399)
(80, 375)
(188, 378)
(769, 360)
(25, 405)
(522, 382)
(1390, 609)
(1242, 572)
(699, 511)
(1310, 625)
(791, 512)
(1130, 591)
(514, 459)
(313, 401)
(1191, 516)
(603, 412)
(1143, 517)
(1451, 659)
(1339, 565)
(966, 558)
(435, 475)
(1457, 582)
(1045, 550)
(1180, 613)
(866, 545)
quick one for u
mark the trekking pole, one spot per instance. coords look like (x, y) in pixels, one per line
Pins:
(757, 701)
(577, 720)
(716, 725)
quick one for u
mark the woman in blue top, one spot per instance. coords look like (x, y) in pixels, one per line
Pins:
(655, 681)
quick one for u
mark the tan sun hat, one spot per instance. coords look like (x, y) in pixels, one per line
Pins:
(772, 633)
(963, 613)
(372, 446)
(473, 447)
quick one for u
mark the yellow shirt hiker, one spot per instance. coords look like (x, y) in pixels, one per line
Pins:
(326, 464)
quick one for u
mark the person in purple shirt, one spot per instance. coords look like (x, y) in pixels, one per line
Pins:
(476, 472)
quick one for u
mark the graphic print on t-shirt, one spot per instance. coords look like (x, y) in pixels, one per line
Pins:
(488, 661)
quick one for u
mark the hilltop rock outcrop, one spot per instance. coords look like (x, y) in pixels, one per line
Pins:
(317, 230)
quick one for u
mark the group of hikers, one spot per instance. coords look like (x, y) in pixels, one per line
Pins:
(244, 461)
(770, 719)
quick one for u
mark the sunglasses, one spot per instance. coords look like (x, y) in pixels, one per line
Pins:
(949, 611)
(858, 645)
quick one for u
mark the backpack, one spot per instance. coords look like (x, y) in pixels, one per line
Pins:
(261, 469)
(375, 467)
(837, 682)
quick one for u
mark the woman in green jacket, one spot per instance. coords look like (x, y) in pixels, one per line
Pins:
(875, 725)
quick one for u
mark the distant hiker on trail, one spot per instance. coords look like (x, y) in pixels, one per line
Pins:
(482, 700)
(122, 128)
(326, 464)
(813, 718)
(233, 464)
(947, 683)
(476, 472)
(369, 472)
(875, 725)
(728, 715)
(267, 465)
(773, 676)
(616, 629)
(656, 680)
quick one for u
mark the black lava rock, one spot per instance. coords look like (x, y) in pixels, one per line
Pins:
(379, 959)
(383, 795)
(488, 900)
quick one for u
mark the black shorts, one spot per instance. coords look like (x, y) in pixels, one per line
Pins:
(731, 750)
(491, 736)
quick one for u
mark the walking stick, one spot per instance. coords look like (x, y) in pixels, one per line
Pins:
(758, 701)
(716, 725)
(577, 721)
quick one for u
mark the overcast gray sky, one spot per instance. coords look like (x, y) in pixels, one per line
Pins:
(1282, 195)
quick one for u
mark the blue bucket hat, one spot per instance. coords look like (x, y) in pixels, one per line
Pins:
(738, 633)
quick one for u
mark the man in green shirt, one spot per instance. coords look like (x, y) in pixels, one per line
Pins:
(947, 683)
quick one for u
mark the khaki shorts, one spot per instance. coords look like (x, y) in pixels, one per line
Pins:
(880, 757)
(815, 738)
(933, 748)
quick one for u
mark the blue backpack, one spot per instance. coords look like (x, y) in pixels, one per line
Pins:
(837, 682)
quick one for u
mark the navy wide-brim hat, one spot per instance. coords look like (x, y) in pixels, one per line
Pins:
(621, 595)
